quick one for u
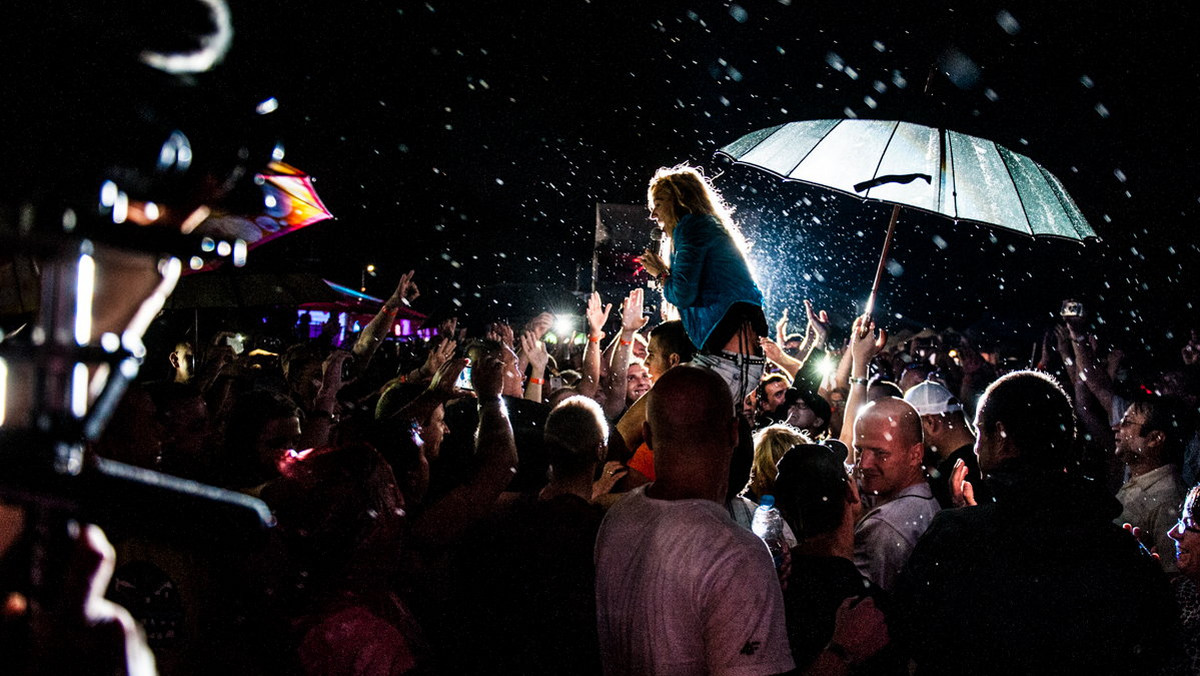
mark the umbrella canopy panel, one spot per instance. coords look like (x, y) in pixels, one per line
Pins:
(969, 178)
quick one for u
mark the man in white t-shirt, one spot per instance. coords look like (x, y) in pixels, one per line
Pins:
(680, 588)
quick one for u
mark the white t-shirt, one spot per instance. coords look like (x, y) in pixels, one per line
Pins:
(681, 589)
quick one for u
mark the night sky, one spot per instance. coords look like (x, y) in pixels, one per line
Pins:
(472, 140)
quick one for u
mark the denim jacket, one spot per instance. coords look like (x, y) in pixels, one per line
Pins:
(708, 275)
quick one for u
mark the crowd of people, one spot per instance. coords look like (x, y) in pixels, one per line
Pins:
(501, 503)
(490, 500)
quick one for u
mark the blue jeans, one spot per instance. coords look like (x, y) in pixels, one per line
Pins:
(742, 372)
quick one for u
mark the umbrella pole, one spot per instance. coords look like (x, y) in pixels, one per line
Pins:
(887, 247)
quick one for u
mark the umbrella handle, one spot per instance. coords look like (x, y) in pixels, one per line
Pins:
(887, 247)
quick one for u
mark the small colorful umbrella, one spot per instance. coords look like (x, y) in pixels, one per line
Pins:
(290, 202)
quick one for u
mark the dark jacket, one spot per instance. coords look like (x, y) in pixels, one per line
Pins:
(708, 276)
(1038, 582)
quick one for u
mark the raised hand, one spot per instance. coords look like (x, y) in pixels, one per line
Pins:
(781, 327)
(535, 351)
(445, 377)
(818, 325)
(501, 333)
(771, 349)
(962, 493)
(438, 355)
(540, 324)
(597, 315)
(406, 291)
(632, 319)
(332, 369)
(864, 343)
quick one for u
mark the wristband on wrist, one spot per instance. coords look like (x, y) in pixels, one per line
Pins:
(859, 381)
(595, 339)
(537, 381)
(626, 342)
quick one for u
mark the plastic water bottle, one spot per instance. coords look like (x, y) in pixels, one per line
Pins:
(768, 525)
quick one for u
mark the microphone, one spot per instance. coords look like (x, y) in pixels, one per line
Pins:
(656, 236)
(655, 245)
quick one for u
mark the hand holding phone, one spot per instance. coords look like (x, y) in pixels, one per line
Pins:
(1071, 308)
(463, 382)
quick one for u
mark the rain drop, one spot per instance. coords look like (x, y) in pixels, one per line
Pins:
(1008, 22)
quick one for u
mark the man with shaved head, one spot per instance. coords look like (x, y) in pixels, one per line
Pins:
(890, 448)
(680, 588)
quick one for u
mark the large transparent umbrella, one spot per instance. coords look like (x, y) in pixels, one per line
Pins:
(962, 177)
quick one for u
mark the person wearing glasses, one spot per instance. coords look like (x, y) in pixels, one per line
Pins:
(1186, 535)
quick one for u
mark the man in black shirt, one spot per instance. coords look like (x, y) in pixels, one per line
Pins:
(1040, 580)
(948, 439)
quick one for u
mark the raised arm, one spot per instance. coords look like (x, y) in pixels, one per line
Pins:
(597, 317)
(1062, 342)
(864, 345)
(1091, 372)
(441, 389)
(496, 450)
(439, 354)
(632, 321)
(321, 419)
(816, 332)
(775, 354)
(371, 336)
(781, 327)
(535, 352)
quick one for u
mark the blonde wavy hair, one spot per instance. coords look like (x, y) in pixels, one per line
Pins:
(770, 443)
(693, 193)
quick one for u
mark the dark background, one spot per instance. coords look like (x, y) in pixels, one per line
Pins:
(471, 141)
